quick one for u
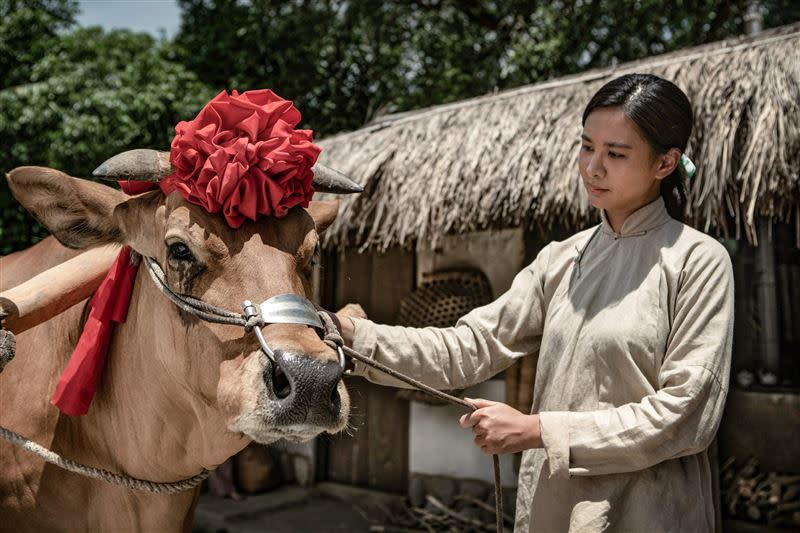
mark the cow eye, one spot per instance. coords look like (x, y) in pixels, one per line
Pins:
(180, 252)
(316, 256)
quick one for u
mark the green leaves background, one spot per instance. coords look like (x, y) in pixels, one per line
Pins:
(71, 97)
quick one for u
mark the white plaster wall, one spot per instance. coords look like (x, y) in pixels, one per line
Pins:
(439, 446)
(499, 254)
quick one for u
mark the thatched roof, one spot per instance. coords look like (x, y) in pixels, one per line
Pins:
(510, 159)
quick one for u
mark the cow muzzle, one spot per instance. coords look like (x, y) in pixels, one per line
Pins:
(303, 391)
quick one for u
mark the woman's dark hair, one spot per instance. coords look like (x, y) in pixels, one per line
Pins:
(664, 116)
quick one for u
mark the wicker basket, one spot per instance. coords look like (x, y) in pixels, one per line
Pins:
(444, 297)
(440, 300)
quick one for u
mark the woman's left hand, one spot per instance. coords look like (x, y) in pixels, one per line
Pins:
(499, 428)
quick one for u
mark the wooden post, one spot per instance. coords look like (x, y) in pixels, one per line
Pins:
(765, 256)
(55, 290)
(527, 376)
(769, 340)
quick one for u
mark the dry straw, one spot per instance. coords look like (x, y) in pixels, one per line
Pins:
(509, 159)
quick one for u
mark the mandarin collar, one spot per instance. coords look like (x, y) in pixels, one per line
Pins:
(644, 219)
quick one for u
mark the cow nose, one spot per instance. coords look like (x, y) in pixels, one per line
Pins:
(304, 389)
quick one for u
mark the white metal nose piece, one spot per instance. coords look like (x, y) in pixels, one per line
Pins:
(285, 309)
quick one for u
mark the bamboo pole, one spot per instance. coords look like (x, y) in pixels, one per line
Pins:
(55, 290)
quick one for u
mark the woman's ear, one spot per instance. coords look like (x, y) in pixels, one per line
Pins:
(667, 163)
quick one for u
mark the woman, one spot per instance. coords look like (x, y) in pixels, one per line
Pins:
(632, 320)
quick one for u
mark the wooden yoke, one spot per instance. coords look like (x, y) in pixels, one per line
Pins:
(55, 290)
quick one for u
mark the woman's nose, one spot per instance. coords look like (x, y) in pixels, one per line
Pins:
(595, 166)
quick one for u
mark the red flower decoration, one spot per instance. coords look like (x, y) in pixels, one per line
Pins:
(241, 155)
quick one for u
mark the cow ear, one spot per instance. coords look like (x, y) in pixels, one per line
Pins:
(323, 212)
(79, 213)
(140, 220)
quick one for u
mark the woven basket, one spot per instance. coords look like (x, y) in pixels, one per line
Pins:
(444, 297)
(440, 300)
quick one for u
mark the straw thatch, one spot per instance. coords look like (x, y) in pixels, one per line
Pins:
(510, 159)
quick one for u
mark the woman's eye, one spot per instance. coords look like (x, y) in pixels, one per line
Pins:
(615, 155)
(586, 148)
(180, 252)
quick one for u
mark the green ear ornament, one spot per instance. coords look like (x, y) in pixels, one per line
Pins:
(689, 167)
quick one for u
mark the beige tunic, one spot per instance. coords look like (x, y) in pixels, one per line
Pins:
(633, 331)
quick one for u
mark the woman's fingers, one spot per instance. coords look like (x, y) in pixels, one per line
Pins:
(480, 403)
(499, 428)
(470, 419)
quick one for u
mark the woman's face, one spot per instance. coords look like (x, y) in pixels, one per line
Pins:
(618, 167)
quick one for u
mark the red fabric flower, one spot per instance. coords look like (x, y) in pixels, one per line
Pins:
(242, 156)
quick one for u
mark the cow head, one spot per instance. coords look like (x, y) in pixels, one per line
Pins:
(221, 366)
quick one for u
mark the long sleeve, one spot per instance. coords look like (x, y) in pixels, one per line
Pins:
(482, 343)
(683, 414)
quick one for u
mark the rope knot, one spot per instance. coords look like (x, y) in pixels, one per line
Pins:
(333, 336)
(254, 321)
(252, 316)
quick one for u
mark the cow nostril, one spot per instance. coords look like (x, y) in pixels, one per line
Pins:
(280, 383)
(336, 401)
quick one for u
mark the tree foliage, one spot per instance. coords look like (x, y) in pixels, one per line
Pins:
(345, 62)
(90, 95)
(71, 97)
(27, 30)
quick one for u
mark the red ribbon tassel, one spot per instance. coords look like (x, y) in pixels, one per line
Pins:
(78, 382)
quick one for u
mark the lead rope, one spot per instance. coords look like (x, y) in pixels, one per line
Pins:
(334, 339)
(98, 473)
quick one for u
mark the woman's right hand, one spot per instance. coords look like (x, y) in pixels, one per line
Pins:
(348, 328)
(499, 428)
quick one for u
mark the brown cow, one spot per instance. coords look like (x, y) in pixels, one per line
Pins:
(178, 395)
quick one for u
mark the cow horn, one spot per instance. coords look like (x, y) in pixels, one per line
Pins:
(328, 180)
(153, 165)
(135, 165)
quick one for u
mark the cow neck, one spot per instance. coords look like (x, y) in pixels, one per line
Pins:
(144, 422)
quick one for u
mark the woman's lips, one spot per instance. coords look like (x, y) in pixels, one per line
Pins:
(595, 190)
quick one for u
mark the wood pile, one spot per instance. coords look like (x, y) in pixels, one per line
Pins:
(766, 497)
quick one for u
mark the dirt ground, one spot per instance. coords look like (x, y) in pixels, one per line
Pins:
(326, 507)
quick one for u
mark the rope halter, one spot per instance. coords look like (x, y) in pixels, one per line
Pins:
(280, 309)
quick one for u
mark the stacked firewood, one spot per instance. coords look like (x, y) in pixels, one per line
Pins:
(759, 496)
(438, 517)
